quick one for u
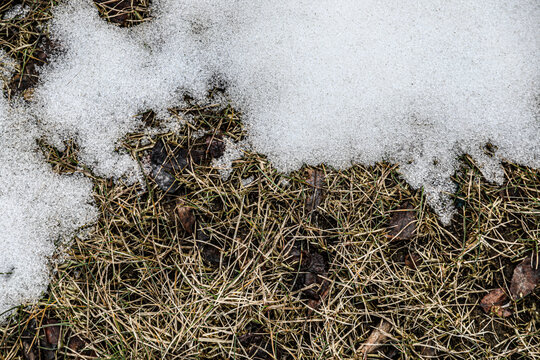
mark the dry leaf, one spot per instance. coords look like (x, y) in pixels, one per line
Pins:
(412, 260)
(167, 162)
(378, 337)
(316, 180)
(526, 277)
(259, 345)
(313, 268)
(402, 223)
(323, 294)
(428, 350)
(52, 332)
(76, 344)
(186, 218)
(210, 249)
(493, 303)
(215, 146)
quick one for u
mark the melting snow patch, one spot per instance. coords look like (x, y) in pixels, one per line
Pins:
(233, 151)
(17, 10)
(416, 83)
(40, 209)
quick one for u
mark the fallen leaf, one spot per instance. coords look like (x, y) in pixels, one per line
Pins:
(525, 278)
(493, 303)
(49, 343)
(259, 344)
(379, 336)
(428, 350)
(52, 332)
(186, 218)
(392, 354)
(316, 181)
(215, 146)
(412, 260)
(250, 338)
(314, 267)
(402, 224)
(76, 344)
(324, 291)
(312, 270)
(294, 256)
(210, 250)
(48, 354)
(30, 342)
(167, 163)
(211, 254)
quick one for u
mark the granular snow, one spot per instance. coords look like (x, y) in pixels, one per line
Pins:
(416, 83)
(40, 209)
(18, 10)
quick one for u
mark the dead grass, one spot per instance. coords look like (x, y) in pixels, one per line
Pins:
(140, 287)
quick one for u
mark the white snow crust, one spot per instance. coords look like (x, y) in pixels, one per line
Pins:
(417, 83)
(39, 210)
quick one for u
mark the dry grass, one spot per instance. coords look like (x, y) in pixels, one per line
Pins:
(140, 287)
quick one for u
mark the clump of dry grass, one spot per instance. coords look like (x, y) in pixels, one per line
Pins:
(141, 286)
(24, 38)
(124, 12)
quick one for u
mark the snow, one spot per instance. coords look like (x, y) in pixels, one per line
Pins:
(18, 10)
(106, 76)
(233, 151)
(417, 83)
(40, 210)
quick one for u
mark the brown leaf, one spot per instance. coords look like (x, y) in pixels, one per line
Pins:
(428, 349)
(211, 254)
(167, 162)
(402, 223)
(215, 146)
(76, 344)
(294, 256)
(310, 280)
(412, 260)
(258, 344)
(52, 332)
(378, 337)
(186, 218)
(48, 354)
(493, 303)
(313, 267)
(323, 294)
(250, 338)
(526, 277)
(211, 250)
(316, 181)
